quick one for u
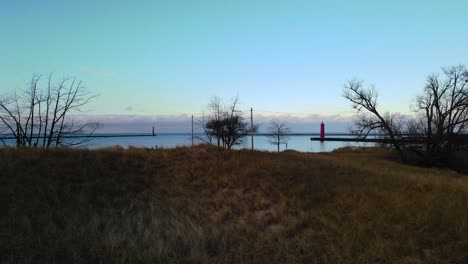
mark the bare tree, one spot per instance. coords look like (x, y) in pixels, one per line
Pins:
(442, 112)
(226, 124)
(278, 133)
(2, 134)
(206, 136)
(370, 120)
(214, 125)
(44, 117)
(211, 123)
(440, 123)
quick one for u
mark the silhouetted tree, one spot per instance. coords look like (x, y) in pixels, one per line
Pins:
(278, 133)
(370, 120)
(439, 126)
(44, 117)
(210, 123)
(442, 113)
(206, 136)
(226, 124)
(2, 133)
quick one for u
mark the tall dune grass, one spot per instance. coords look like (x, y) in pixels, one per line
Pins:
(200, 205)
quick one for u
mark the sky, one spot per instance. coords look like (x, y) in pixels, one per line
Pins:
(164, 60)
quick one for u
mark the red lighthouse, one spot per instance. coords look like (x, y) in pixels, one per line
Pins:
(322, 132)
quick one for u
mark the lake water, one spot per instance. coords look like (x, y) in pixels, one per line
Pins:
(170, 140)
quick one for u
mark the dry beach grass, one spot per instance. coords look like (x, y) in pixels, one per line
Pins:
(199, 205)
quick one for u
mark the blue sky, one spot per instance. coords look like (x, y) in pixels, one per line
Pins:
(168, 58)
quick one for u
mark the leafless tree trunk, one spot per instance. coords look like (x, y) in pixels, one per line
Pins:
(278, 133)
(372, 121)
(2, 134)
(217, 112)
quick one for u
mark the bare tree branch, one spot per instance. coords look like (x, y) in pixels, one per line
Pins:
(278, 131)
(441, 120)
(225, 123)
(46, 114)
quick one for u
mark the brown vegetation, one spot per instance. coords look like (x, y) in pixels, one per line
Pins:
(203, 205)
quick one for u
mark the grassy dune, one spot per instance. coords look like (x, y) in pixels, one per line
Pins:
(197, 205)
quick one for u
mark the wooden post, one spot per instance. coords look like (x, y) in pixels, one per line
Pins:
(251, 127)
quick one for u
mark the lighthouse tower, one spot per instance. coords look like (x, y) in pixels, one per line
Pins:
(322, 132)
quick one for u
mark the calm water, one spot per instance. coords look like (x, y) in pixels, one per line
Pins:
(170, 140)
